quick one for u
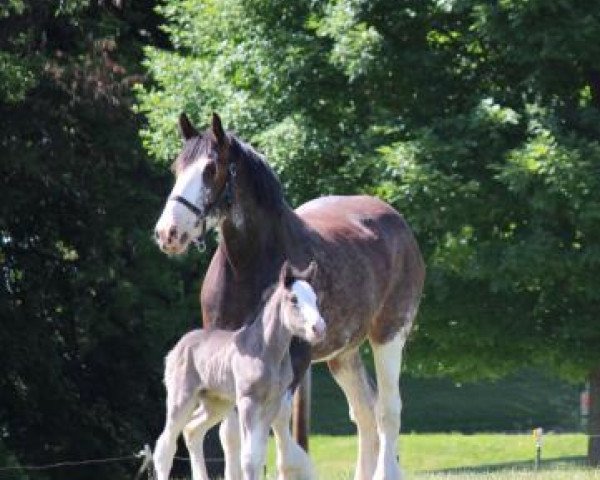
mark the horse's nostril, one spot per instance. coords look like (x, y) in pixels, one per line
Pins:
(172, 232)
(156, 234)
(184, 238)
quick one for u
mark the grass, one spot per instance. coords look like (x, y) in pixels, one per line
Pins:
(517, 403)
(558, 474)
(462, 457)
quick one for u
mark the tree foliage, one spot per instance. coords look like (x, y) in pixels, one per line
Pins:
(478, 120)
(88, 304)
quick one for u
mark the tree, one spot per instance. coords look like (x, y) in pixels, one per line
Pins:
(510, 182)
(88, 304)
(478, 120)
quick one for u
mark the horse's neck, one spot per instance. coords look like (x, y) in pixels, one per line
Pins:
(255, 238)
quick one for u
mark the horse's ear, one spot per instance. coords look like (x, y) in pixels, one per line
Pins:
(186, 128)
(286, 275)
(217, 128)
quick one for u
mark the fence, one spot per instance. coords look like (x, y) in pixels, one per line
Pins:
(144, 456)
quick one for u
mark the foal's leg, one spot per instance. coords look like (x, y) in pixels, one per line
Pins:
(206, 416)
(255, 419)
(292, 461)
(350, 374)
(388, 359)
(229, 434)
(166, 445)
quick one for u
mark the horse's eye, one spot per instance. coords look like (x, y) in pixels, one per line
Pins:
(209, 171)
(294, 300)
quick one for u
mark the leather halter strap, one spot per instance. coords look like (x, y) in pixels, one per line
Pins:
(186, 203)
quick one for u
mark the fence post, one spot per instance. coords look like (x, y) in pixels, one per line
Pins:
(537, 434)
(146, 454)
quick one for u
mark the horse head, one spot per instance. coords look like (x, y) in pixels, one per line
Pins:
(202, 189)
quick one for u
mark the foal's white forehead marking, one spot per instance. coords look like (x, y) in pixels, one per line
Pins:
(307, 298)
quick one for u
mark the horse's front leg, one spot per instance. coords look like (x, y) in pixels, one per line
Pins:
(229, 434)
(255, 419)
(293, 463)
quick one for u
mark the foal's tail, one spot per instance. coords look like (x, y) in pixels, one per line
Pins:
(181, 377)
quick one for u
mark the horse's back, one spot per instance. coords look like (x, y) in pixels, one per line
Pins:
(353, 216)
(337, 205)
(361, 222)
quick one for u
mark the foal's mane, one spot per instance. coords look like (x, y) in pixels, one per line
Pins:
(260, 177)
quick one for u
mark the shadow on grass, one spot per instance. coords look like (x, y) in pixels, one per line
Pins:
(549, 464)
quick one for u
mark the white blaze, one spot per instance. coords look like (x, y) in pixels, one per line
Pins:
(189, 185)
(307, 303)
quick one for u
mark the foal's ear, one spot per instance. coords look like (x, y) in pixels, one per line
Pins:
(186, 128)
(286, 274)
(217, 128)
(311, 272)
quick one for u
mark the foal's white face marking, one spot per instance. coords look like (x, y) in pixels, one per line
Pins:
(178, 225)
(313, 326)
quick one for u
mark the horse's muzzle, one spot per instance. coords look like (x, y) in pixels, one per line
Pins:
(171, 241)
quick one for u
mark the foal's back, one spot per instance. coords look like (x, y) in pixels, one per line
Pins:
(201, 361)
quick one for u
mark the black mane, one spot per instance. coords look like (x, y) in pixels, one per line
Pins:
(261, 179)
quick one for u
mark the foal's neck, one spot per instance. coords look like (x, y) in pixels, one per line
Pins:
(270, 333)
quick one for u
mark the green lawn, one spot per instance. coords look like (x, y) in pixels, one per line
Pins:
(517, 403)
(462, 457)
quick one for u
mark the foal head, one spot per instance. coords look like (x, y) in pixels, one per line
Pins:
(298, 303)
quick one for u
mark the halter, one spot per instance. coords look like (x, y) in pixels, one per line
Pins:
(224, 199)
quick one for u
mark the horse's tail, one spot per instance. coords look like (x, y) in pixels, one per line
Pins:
(181, 376)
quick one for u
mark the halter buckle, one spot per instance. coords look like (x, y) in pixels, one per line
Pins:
(200, 245)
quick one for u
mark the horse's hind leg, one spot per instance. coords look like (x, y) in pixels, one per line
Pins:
(204, 418)
(388, 359)
(292, 461)
(166, 445)
(349, 372)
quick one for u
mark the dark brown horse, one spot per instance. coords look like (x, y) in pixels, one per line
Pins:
(369, 283)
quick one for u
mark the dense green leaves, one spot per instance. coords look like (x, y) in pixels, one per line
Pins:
(88, 304)
(477, 120)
